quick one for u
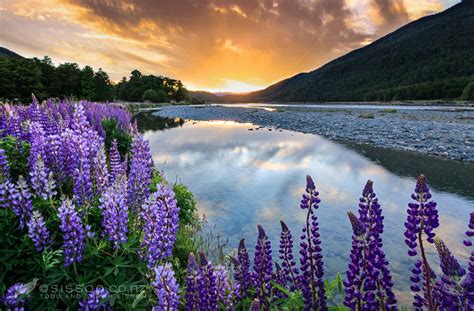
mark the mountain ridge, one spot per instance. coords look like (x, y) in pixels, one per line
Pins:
(434, 56)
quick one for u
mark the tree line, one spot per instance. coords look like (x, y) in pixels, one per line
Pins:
(19, 77)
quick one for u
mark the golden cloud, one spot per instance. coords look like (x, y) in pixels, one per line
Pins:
(209, 44)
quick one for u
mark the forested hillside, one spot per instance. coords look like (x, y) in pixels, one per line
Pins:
(430, 58)
(19, 77)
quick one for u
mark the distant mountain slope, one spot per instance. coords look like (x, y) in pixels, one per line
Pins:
(7, 53)
(203, 96)
(430, 58)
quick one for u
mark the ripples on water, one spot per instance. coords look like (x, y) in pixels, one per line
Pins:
(242, 178)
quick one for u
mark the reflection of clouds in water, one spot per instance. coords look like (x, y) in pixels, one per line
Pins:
(241, 178)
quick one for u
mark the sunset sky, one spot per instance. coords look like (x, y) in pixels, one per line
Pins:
(210, 45)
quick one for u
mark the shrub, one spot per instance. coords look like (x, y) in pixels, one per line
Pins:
(158, 96)
(468, 93)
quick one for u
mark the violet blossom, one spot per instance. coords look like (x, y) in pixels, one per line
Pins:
(38, 232)
(312, 273)
(115, 212)
(73, 233)
(166, 288)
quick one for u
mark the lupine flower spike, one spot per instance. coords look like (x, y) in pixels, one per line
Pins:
(289, 271)
(96, 300)
(422, 219)
(311, 282)
(263, 267)
(166, 288)
(73, 233)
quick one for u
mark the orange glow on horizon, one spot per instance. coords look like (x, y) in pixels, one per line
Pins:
(209, 45)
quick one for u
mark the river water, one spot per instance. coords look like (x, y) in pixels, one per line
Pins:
(242, 177)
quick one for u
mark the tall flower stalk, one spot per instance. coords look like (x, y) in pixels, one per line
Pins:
(368, 276)
(311, 282)
(451, 290)
(166, 288)
(73, 233)
(289, 272)
(139, 178)
(242, 271)
(160, 219)
(115, 212)
(422, 219)
(263, 267)
(38, 232)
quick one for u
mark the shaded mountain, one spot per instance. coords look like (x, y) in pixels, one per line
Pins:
(203, 96)
(9, 54)
(430, 58)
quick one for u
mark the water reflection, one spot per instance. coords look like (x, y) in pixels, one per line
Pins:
(146, 122)
(242, 178)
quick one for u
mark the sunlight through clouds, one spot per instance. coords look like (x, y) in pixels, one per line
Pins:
(212, 45)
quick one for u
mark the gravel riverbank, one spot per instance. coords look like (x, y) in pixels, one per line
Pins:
(448, 133)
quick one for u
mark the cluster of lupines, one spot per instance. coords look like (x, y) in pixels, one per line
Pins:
(455, 289)
(68, 151)
(67, 145)
(207, 286)
(368, 283)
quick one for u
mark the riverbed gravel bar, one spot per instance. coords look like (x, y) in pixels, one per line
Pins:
(444, 132)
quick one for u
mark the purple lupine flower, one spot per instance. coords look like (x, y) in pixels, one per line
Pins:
(67, 157)
(20, 199)
(4, 174)
(192, 289)
(289, 272)
(101, 174)
(207, 284)
(96, 300)
(160, 219)
(140, 172)
(166, 288)
(87, 144)
(280, 279)
(354, 275)
(263, 267)
(468, 283)
(39, 180)
(37, 144)
(116, 166)
(448, 263)
(422, 218)
(224, 291)
(452, 291)
(38, 232)
(15, 298)
(242, 273)
(311, 279)
(82, 177)
(4, 167)
(416, 279)
(115, 212)
(73, 233)
(376, 280)
(358, 228)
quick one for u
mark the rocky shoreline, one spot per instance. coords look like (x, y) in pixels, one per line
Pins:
(448, 133)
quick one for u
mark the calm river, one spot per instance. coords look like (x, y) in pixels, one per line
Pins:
(243, 177)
